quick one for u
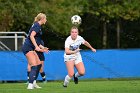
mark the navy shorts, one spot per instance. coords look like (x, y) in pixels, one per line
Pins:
(26, 48)
(41, 56)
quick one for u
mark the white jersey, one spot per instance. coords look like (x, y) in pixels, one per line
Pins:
(73, 45)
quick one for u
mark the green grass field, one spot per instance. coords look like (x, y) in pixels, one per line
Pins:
(107, 86)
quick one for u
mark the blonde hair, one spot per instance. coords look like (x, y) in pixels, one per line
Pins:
(74, 27)
(39, 17)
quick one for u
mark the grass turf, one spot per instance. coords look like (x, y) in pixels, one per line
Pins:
(108, 86)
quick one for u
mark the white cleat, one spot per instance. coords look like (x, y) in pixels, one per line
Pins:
(45, 82)
(65, 83)
(35, 85)
(30, 86)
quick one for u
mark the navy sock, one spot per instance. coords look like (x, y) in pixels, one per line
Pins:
(28, 72)
(43, 75)
(38, 68)
(32, 74)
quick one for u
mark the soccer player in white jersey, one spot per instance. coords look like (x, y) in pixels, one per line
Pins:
(72, 56)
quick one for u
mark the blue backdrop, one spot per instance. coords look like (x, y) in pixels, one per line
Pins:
(102, 64)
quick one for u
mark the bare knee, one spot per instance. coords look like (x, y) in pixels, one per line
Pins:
(81, 73)
(71, 74)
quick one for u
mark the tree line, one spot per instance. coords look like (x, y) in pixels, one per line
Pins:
(105, 23)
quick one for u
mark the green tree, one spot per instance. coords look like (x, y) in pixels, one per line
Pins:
(100, 8)
(60, 12)
(114, 10)
(6, 19)
(17, 15)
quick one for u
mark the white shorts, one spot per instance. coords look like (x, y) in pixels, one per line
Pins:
(74, 57)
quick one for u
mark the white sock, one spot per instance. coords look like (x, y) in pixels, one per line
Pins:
(77, 75)
(67, 79)
(34, 82)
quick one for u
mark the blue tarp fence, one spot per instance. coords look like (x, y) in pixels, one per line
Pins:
(110, 63)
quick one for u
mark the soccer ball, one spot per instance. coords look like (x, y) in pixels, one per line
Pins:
(76, 20)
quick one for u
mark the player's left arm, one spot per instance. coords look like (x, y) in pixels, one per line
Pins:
(89, 46)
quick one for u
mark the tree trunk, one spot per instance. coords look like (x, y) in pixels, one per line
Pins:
(104, 35)
(118, 34)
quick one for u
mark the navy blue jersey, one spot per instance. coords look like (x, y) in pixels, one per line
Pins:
(37, 28)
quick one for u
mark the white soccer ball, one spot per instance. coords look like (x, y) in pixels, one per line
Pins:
(76, 20)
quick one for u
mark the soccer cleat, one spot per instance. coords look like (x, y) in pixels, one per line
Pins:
(45, 82)
(30, 86)
(75, 79)
(64, 86)
(36, 86)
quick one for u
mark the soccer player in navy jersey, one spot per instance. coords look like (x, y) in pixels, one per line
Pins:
(32, 45)
(42, 73)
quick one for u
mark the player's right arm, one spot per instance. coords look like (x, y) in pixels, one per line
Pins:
(67, 49)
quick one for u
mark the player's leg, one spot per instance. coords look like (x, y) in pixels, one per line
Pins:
(38, 69)
(35, 64)
(70, 69)
(28, 72)
(42, 59)
(81, 71)
(31, 61)
(80, 68)
(42, 73)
